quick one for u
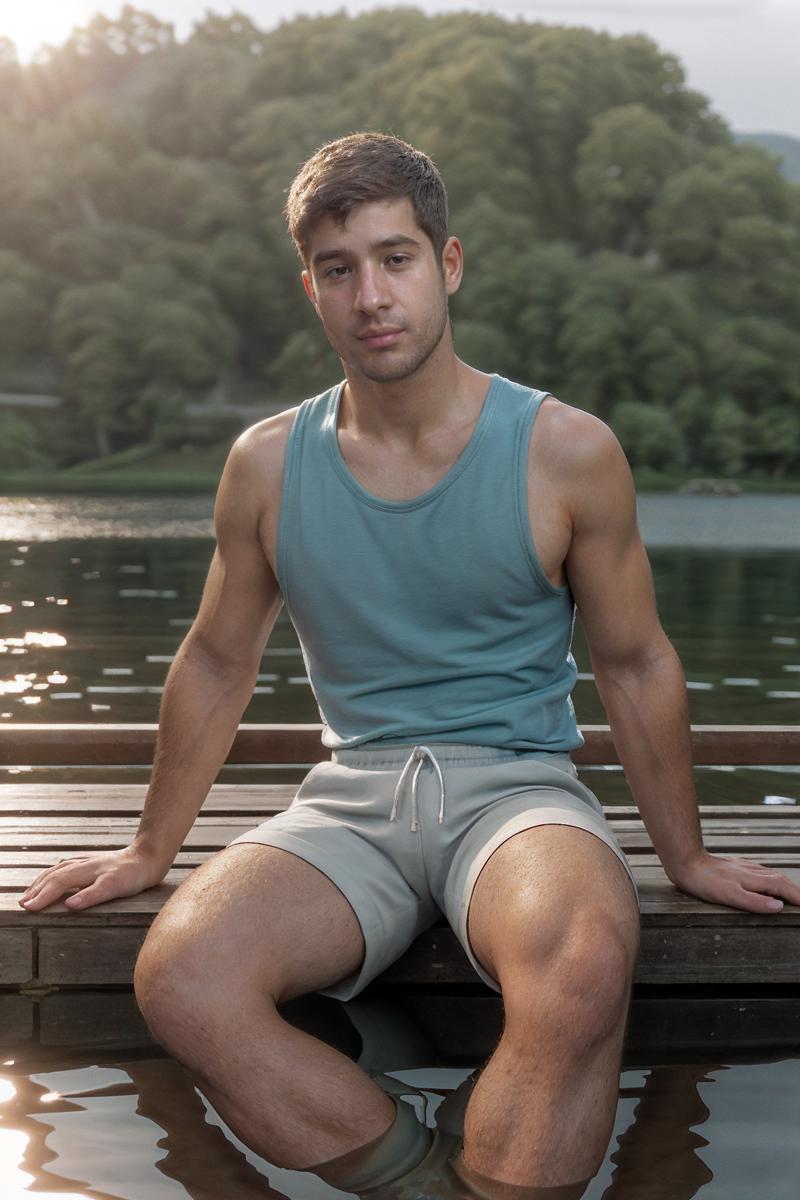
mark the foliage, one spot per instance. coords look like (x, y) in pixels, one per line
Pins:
(623, 248)
(20, 444)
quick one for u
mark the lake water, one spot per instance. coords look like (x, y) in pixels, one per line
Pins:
(95, 597)
(96, 594)
(717, 1131)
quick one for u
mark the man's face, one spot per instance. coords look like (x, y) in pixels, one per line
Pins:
(379, 290)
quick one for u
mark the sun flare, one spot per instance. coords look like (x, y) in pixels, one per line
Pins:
(40, 22)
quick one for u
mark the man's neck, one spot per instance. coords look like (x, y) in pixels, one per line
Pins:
(439, 394)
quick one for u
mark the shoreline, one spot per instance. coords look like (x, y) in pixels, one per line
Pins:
(204, 482)
(751, 522)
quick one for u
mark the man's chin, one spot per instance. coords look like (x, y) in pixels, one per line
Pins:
(387, 368)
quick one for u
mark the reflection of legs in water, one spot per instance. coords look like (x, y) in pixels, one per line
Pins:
(657, 1153)
(197, 1155)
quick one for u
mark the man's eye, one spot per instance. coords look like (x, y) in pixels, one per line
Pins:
(336, 272)
(398, 260)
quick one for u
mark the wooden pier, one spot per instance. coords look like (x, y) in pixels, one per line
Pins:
(714, 955)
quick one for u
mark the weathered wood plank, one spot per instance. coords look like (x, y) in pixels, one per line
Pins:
(31, 826)
(16, 1020)
(16, 955)
(216, 835)
(41, 857)
(17, 879)
(115, 744)
(88, 956)
(669, 954)
(92, 1019)
(127, 799)
(124, 744)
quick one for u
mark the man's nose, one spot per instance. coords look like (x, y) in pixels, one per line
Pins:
(373, 293)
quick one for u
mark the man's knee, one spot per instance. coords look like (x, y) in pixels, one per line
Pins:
(572, 978)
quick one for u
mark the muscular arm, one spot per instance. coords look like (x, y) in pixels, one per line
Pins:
(208, 685)
(637, 671)
(212, 677)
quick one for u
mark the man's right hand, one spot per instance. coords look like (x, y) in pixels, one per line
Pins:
(91, 879)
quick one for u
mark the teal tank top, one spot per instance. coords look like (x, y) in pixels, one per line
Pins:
(427, 619)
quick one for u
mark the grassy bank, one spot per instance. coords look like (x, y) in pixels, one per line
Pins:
(141, 469)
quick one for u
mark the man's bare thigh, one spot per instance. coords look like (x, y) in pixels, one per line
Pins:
(261, 915)
(540, 881)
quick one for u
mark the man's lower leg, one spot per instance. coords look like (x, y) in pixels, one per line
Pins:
(289, 1096)
(540, 1116)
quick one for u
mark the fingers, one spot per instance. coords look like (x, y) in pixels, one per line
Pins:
(759, 888)
(766, 890)
(755, 902)
(780, 886)
(67, 876)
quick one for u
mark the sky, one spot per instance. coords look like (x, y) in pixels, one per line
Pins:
(743, 54)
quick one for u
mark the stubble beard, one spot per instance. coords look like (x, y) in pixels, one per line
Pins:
(387, 368)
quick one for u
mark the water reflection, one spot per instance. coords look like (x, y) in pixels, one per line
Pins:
(124, 603)
(657, 1155)
(142, 1130)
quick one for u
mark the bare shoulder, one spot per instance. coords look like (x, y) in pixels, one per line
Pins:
(583, 461)
(263, 445)
(574, 439)
(250, 487)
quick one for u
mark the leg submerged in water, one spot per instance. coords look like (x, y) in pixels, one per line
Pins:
(393, 1154)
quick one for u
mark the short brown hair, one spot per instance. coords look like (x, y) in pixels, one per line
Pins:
(360, 167)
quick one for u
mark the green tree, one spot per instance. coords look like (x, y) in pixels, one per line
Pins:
(622, 166)
(776, 433)
(23, 308)
(726, 442)
(648, 434)
(20, 444)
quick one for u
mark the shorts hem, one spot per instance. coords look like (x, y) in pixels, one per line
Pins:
(517, 824)
(367, 914)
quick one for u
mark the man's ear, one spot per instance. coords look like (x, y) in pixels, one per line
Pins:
(452, 265)
(308, 285)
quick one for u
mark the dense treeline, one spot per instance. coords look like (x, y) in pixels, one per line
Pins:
(623, 250)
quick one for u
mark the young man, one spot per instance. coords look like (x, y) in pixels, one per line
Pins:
(430, 529)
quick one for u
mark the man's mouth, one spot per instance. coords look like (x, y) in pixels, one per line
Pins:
(380, 337)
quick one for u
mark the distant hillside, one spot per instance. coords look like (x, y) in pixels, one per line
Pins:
(778, 143)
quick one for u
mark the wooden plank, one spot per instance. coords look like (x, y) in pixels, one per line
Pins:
(44, 857)
(89, 956)
(122, 744)
(115, 744)
(215, 836)
(708, 955)
(16, 1020)
(17, 879)
(121, 799)
(16, 955)
(92, 1019)
(127, 799)
(669, 954)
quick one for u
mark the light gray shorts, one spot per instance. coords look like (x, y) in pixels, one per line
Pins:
(404, 832)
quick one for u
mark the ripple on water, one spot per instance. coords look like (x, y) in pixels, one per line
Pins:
(126, 1130)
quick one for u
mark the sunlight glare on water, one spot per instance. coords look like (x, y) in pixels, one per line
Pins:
(13, 1143)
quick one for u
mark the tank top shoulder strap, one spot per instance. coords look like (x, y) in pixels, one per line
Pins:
(303, 449)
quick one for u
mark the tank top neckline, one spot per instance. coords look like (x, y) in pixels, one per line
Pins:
(450, 476)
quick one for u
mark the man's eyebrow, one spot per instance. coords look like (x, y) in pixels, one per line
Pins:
(394, 239)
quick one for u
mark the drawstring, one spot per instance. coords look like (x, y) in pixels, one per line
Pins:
(415, 761)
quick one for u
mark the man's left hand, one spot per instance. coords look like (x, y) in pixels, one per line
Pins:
(737, 882)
